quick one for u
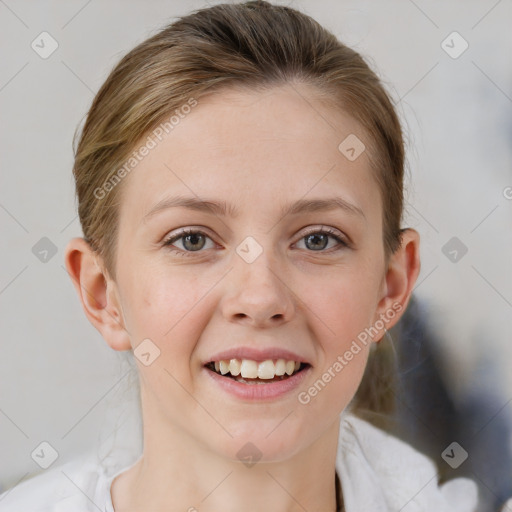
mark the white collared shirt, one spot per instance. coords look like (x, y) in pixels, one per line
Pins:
(378, 473)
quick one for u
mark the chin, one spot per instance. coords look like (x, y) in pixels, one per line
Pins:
(265, 441)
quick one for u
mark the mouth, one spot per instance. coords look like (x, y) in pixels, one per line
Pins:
(248, 371)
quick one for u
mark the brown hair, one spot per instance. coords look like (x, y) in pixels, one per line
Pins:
(255, 45)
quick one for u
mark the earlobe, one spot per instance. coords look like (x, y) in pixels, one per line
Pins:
(97, 293)
(401, 275)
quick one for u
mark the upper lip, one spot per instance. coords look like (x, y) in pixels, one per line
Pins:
(256, 354)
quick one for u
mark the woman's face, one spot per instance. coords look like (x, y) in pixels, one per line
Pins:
(257, 279)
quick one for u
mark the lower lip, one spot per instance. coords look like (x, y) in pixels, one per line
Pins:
(267, 391)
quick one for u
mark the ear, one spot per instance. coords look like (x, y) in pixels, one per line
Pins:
(401, 274)
(98, 293)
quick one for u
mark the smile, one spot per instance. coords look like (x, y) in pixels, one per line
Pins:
(253, 372)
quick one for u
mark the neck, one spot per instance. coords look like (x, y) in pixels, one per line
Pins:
(177, 473)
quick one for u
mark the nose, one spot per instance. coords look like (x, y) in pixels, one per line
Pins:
(256, 295)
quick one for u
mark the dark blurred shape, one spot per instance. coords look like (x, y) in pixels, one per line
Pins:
(428, 417)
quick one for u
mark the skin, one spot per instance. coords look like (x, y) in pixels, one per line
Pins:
(258, 151)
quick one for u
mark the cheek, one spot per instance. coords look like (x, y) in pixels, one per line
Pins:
(161, 306)
(334, 388)
(345, 303)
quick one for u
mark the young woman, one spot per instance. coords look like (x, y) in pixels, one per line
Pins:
(240, 187)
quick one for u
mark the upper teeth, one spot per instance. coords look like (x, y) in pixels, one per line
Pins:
(250, 369)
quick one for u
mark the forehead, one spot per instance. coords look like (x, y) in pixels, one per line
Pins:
(253, 148)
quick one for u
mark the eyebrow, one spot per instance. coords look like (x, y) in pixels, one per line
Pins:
(222, 208)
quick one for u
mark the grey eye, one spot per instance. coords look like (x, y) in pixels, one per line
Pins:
(316, 241)
(194, 241)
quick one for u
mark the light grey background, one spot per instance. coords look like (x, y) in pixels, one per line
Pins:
(59, 381)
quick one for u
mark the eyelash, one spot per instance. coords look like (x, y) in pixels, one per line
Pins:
(325, 231)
